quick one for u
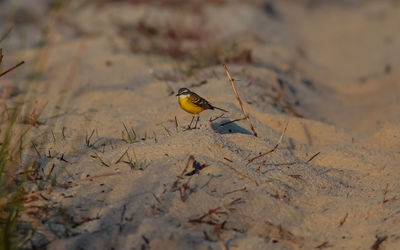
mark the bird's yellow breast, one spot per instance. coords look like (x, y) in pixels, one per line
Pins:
(188, 106)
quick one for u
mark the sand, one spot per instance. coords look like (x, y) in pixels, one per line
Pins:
(329, 71)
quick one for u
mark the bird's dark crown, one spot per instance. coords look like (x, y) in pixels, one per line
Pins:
(184, 91)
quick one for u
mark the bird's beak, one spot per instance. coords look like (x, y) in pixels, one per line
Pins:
(178, 94)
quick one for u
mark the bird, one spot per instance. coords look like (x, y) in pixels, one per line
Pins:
(193, 104)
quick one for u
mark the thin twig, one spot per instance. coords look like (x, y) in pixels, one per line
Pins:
(236, 120)
(273, 149)
(52, 133)
(312, 157)
(63, 132)
(167, 130)
(5, 34)
(217, 231)
(323, 245)
(156, 198)
(122, 156)
(343, 220)
(155, 137)
(378, 242)
(241, 174)
(37, 151)
(27, 196)
(384, 201)
(62, 158)
(239, 100)
(189, 163)
(227, 159)
(51, 171)
(261, 164)
(12, 68)
(216, 118)
(234, 191)
(176, 124)
(101, 160)
(215, 211)
(185, 186)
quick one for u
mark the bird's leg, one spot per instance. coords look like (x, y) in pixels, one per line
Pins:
(198, 118)
(190, 125)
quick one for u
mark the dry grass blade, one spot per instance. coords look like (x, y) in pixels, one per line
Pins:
(240, 101)
(131, 135)
(208, 218)
(237, 190)
(5, 34)
(183, 188)
(343, 220)
(312, 157)
(384, 201)
(70, 184)
(122, 156)
(189, 163)
(12, 68)
(156, 198)
(217, 231)
(236, 120)
(176, 124)
(273, 149)
(88, 138)
(241, 174)
(102, 162)
(378, 242)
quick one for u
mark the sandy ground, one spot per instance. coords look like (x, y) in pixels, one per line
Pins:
(328, 69)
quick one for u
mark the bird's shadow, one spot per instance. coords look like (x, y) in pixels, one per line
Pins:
(230, 128)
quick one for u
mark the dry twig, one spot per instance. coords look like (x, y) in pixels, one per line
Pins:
(343, 220)
(215, 211)
(30, 196)
(239, 100)
(237, 190)
(12, 68)
(185, 186)
(241, 174)
(384, 201)
(312, 157)
(273, 149)
(378, 242)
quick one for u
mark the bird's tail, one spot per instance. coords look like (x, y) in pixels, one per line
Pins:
(220, 109)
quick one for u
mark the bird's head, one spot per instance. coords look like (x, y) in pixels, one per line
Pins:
(183, 92)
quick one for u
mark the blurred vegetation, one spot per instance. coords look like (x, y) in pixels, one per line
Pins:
(190, 46)
(11, 188)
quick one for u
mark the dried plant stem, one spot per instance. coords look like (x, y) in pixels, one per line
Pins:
(185, 186)
(241, 174)
(343, 220)
(12, 68)
(384, 201)
(68, 185)
(220, 241)
(273, 149)
(240, 101)
(236, 120)
(234, 191)
(312, 157)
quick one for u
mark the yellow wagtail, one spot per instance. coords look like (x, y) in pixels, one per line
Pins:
(193, 103)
